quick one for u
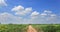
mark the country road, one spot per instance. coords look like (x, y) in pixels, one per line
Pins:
(31, 29)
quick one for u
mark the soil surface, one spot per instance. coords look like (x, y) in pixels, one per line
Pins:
(31, 29)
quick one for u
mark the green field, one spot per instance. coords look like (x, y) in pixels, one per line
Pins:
(24, 27)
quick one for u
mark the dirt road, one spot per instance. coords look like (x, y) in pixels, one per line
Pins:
(31, 29)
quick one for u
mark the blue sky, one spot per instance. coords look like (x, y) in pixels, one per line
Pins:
(37, 6)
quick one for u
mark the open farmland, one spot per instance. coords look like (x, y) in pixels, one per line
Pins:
(24, 27)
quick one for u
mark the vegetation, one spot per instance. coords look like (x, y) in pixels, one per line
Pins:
(24, 27)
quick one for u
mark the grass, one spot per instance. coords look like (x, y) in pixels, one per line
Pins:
(23, 27)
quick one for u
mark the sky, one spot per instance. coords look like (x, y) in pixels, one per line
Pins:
(30, 11)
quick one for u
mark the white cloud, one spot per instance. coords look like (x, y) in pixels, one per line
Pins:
(19, 10)
(47, 11)
(35, 13)
(32, 17)
(24, 12)
(43, 14)
(53, 15)
(3, 3)
(7, 18)
(28, 10)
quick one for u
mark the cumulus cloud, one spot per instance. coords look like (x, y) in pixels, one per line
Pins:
(52, 15)
(47, 13)
(32, 17)
(43, 14)
(3, 3)
(6, 18)
(35, 13)
(46, 18)
(19, 10)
